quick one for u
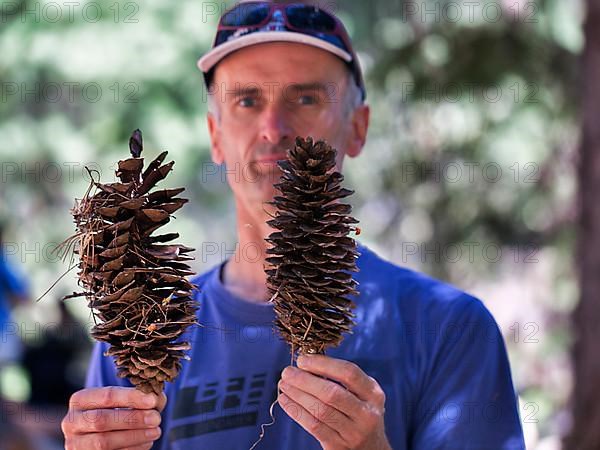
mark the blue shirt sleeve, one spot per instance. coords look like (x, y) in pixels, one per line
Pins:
(468, 399)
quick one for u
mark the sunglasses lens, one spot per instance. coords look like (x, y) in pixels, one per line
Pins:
(245, 15)
(310, 18)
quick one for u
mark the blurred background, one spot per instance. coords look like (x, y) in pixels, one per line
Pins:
(470, 173)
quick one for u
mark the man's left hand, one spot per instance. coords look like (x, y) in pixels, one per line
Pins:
(348, 417)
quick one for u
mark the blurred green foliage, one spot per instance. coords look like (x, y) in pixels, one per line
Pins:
(472, 145)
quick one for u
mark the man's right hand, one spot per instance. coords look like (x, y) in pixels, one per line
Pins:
(112, 418)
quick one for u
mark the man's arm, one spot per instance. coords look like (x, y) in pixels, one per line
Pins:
(467, 399)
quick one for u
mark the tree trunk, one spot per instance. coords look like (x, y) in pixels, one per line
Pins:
(585, 434)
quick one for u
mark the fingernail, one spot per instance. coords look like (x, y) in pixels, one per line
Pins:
(302, 361)
(152, 418)
(153, 433)
(288, 372)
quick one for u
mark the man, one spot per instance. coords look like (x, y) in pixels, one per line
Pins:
(425, 367)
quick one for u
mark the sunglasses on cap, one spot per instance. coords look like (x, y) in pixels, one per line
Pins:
(253, 17)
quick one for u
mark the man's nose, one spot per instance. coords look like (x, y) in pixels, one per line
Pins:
(275, 126)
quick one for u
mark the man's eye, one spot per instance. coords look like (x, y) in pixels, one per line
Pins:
(307, 100)
(247, 102)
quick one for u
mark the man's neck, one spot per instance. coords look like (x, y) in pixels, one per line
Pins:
(243, 274)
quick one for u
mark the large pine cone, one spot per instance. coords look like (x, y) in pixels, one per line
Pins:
(136, 284)
(311, 277)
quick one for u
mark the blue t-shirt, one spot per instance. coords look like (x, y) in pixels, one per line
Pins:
(436, 351)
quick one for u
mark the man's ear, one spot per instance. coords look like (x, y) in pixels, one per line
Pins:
(214, 132)
(358, 132)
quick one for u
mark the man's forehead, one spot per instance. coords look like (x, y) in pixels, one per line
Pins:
(294, 83)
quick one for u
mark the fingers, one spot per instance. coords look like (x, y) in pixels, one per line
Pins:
(114, 397)
(347, 373)
(162, 401)
(102, 420)
(112, 418)
(327, 391)
(338, 416)
(348, 430)
(115, 439)
(328, 437)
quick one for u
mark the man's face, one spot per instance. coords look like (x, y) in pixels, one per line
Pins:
(264, 96)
